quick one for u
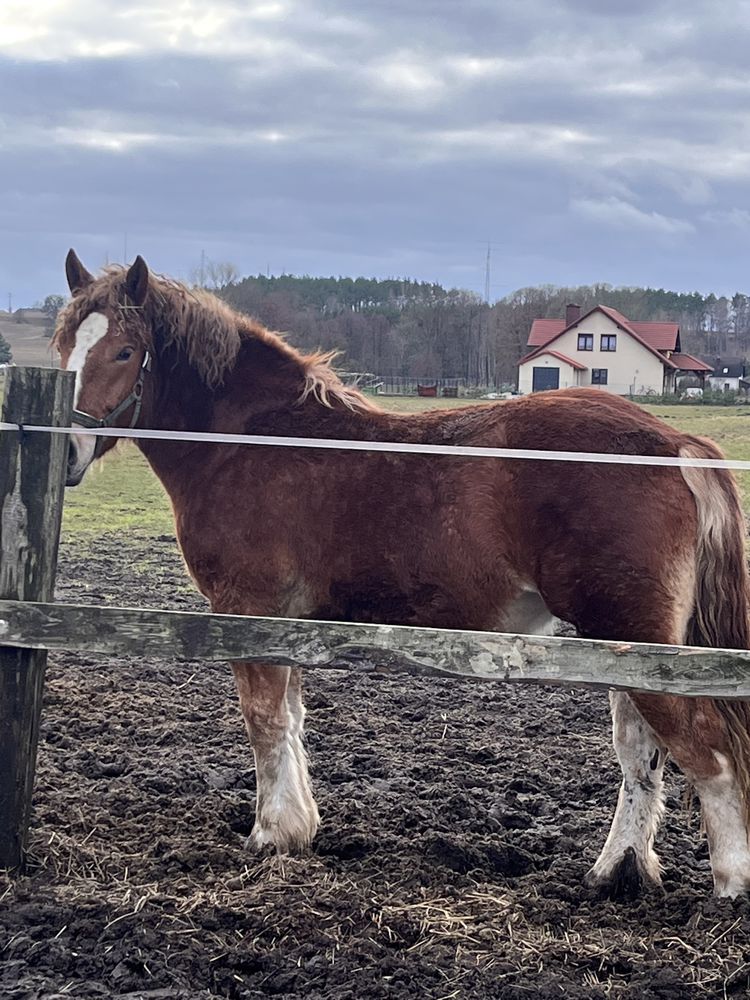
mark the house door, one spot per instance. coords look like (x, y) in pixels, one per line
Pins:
(545, 378)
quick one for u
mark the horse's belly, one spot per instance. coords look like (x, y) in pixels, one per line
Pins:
(378, 600)
(527, 614)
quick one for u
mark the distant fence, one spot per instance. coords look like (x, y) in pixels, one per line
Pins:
(32, 475)
(396, 385)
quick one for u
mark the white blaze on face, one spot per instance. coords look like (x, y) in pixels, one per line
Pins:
(88, 335)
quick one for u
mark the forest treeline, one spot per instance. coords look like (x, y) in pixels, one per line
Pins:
(422, 330)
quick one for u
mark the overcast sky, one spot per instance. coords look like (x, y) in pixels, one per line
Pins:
(589, 140)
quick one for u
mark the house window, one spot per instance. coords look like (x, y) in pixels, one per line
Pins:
(585, 342)
(599, 376)
(609, 342)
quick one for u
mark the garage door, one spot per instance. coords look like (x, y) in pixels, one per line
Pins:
(545, 378)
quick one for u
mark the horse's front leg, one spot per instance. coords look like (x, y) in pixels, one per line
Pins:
(270, 698)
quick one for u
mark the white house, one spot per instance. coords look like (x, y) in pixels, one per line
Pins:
(604, 349)
(729, 375)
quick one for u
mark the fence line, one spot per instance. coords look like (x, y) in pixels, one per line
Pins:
(192, 635)
(390, 447)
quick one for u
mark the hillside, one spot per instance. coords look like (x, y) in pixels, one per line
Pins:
(28, 338)
(399, 327)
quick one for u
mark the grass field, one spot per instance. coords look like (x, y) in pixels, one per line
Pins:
(28, 342)
(122, 495)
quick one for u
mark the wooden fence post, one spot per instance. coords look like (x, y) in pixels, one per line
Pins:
(32, 484)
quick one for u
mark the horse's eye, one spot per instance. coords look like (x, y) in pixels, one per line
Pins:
(125, 354)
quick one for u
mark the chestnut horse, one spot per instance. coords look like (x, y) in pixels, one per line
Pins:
(641, 553)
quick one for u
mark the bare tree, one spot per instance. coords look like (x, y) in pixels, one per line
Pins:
(214, 274)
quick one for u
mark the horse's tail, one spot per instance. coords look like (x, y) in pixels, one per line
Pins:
(721, 615)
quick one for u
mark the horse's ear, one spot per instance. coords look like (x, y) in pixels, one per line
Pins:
(136, 282)
(77, 275)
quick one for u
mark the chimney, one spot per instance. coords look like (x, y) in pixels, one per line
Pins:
(572, 314)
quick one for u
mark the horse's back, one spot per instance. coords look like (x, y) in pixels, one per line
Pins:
(592, 420)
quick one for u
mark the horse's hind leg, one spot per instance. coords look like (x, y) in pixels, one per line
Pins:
(285, 815)
(651, 610)
(628, 858)
(699, 733)
(702, 736)
(726, 825)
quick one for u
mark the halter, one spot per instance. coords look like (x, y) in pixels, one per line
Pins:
(136, 396)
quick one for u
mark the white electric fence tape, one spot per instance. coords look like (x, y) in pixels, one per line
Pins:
(392, 447)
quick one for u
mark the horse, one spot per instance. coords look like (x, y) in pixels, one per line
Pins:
(633, 553)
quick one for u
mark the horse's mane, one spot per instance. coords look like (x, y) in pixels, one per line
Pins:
(322, 382)
(208, 330)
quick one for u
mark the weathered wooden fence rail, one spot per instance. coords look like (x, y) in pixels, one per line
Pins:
(32, 471)
(183, 635)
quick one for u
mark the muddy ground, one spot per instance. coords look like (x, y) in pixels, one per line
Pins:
(458, 823)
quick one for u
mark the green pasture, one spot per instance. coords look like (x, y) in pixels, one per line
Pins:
(121, 495)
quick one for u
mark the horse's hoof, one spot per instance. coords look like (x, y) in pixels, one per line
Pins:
(728, 887)
(625, 882)
(276, 839)
(256, 844)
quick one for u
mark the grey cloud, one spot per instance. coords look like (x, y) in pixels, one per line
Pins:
(591, 141)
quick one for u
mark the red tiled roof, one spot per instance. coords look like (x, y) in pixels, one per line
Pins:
(543, 330)
(554, 354)
(660, 336)
(687, 363)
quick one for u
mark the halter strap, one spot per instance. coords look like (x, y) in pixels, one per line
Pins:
(136, 396)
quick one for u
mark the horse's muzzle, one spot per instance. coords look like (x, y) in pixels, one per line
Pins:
(80, 456)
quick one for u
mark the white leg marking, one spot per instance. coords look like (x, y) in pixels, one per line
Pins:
(297, 714)
(727, 833)
(88, 335)
(640, 805)
(286, 814)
